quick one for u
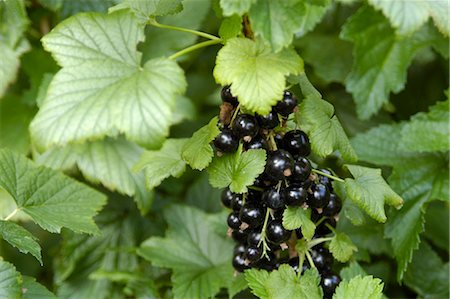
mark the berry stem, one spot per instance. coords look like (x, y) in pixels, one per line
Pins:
(317, 241)
(155, 23)
(11, 215)
(328, 175)
(272, 143)
(195, 47)
(263, 233)
(310, 260)
(235, 113)
(255, 188)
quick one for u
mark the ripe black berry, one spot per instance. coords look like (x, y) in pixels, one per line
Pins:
(252, 215)
(301, 170)
(279, 165)
(319, 197)
(274, 198)
(239, 263)
(226, 197)
(226, 141)
(258, 142)
(329, 283)
(240, 235)
(322, 258)
(287, 105)
(227, 97)
(326, 180)
(245, 126)
(333, 207)
(293, 262)
(239, 249)
(254, 238)
(276, 233)
(268, 121)
(297, 143)
(295, 195)
(233, 220)
(237, 202)
(267, 264)
(253, 253)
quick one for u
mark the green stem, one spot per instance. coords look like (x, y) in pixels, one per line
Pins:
(235, 113)
(272, 142)
(11, 215)
(153, 22)
(195, 47)
(263, 233)
(255, 188)
(318, 241)
(310, 260)
(328, 175)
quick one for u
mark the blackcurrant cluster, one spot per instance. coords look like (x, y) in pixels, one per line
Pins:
(255, 221)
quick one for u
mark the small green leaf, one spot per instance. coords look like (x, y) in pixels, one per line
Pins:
(230, 27)
(197, 151)
(34, 290)
(145, 10)
(370, 191)
(257, 280)
(239, 7)
(352, 270)
(237, 170)
(20, 238)
(10, 281)
(256, 74)
(50, 198)
(296, 217)
(162, 163)
(342, 247)
(360, 287)
(317, 118)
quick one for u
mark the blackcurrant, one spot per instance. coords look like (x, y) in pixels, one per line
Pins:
(329, 283)
(319, 197)
(322, 229)
(252, 215)
(240, 235)
(237, 202)
(287, 105)
(276, 233)
(245, 126)
(226, 197)
(333, 207)
(267, 263)
(258, 142)
(293, 262)
(297, 143)
(226, 141)
(274, 198)
(253, 253)
(233, 220)
(254, 238)
(279, 165)
(296, 195)
(254, 197)
(301, 170)
(322, 258)
(268, 121)
(278, 140)
(239, 249)
(227, 97)
(239, 263)
(326, 180)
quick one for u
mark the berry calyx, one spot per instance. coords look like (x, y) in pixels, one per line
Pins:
(226, 141)
(245, 127)
(287, 105)
(297, 143)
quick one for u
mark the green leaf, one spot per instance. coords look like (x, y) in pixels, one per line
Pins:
(237, 170)
(197, 151)
(437, 224)
(34, 290)
(20, 238)
(201, 195)
(256, 74)
(284, 283)
(230, 27)
(101, 88)
(296, 217)
(316, 117)
(145, 10)
(162, 163)
(360, 287)
(342, 247)
(352, 270)
(428, 275)
(10, 281)
(428, 132)
(439, 14)
(199, 257)
(381, 59)
(50, 198)
(108, 162)
(370, 191)
(239, 7)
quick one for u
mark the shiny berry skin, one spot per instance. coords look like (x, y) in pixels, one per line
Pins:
(239, 235)
(329, 283)
(245, 126)
(227, 97)
(268, 121)
(301, 170)
(274, 198)
(226, 141)
(326, 180)
(319, 197)
(252, 215)
(233, 220)
(253, 253)
(297, 143)
(226, 197)
(276, 233)
(293, 262)
(239, 249)
(295, 195)
(239, 263)
(278, 140)
(258, 142)
(333, 207)
(322, 259)
(254, 197)
(265, 263)
(279, 165)
(287, 105)
(237, 202)
(254, 238)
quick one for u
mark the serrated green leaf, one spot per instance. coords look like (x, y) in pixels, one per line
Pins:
(34, 290)
(203, 196)
(297, 217)
(342, 247)
(256, 74)
(108, 162)
(370, 191)
(427, 132)
(145, 10)
(257, 280)
(352, 270)
(437, 224)
(237, 170)
(163, 163)
(10, 281)
(230, 27)
(197, 151)
(239, 7)
(381, 59)
(20, 238)
(316, 117)
(439, 14)
(360, 287)
(199, 257)
(50, 198)
(101, 88)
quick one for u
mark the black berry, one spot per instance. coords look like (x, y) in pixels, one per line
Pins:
(237, 202)
(252, 215)
(301, 170)
(239, 249)
(239, 263)
(287, 105)
(226, 141)
(254, 238)
(297, 143)
(227, 97)
(240, 235)
(233, 220)
(226, 197)
(326, 180)
(329, 283)
(333, 207)
(295, 195)
(322, 258)
(253, 253)
(319, 197)
(276, 233)
(258, 142)
(274, 198)
(245, 126)
(268, 121)
(279, 165)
